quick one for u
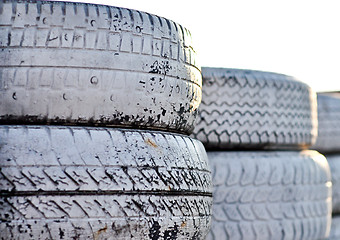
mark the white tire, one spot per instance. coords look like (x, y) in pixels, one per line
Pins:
(328, 140)
(99, 183)
(253, 109)
(270, 195)
(335, 229)
(334, 164)
(75, 63)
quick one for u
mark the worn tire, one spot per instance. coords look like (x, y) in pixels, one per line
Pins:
(253, 109)
(75, 63)
(328, 140)
(334, 164)
(270, 195)
(99, 183)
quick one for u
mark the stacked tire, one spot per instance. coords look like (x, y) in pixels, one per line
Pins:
(255, 126)
(96, 103)
(328, 143)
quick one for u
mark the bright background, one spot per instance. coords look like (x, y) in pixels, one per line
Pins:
(300, 38)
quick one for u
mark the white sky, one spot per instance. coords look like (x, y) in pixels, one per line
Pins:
(300, 38)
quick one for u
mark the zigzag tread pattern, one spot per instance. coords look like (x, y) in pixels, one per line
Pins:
(77, 158)
(253, 103)
(257, 114)
(76, 178)
(95, 183)
(270, 195)
(293, 106)
(251, 78)
(329, 124)
(59, 57)
(109, 217)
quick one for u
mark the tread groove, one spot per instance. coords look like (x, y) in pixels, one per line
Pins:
(253, 109)
(263, 216)
(91, 34)
(101, 181)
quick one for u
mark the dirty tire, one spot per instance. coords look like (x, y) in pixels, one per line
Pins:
(334, 164)
(335, 229)
(76, 63)
(253, 109)
(328, 140)
(270, 195)
(100, 183)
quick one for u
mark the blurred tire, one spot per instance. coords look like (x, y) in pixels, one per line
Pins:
(328, 140)
(334, 165)
(335, 229)
(270, 195)
(253, 109)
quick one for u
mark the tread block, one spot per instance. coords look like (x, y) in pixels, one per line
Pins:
(262, 210)
(81, 180)
(257, 110)
(87, 45)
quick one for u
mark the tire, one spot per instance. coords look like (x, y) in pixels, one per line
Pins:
(270, 195)
(329, 124)
(334, 164)
(258, 110)
(100, 183)
(75, 63)
(335, 229)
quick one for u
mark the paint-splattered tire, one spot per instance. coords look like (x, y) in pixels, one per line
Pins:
(270, 195)
(99, 183)
(74, 63)
(328, 140)
(253, 109)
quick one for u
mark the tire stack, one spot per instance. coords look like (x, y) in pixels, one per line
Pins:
(95, 106)
(328, 143)
(255, 126)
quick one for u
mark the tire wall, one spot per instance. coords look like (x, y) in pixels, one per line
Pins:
(248, 109)
(72, 63)
(69, 182)
(270, 195)
(329, 124)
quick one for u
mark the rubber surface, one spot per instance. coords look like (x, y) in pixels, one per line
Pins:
(100, 183)
(328, 140)
(75, 63)
(270, 195)
(334, 164)
(335, 229)
(253, 109)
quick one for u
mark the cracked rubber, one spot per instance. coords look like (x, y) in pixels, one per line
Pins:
(328, 140)
(334, 164)
(76, 63)
(253, 109)
(270, 195)
(99, 183)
